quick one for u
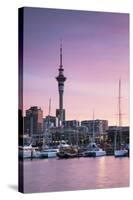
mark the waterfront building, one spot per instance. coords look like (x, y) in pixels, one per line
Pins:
(99, 126)
(69, 135)
(72, 135)
(48, 122)
(59, 122)
(60, 113)
(71, 124)
(33, 124)
(124, 131)
(84, 136)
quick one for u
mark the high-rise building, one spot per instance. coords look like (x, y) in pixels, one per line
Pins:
(49, 122)
(60, 113)
(33, 123)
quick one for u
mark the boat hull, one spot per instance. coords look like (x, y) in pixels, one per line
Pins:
(120, 153)
(29, 154)
(94, 153)
(24, 155)
(67, 155)
(48, 154)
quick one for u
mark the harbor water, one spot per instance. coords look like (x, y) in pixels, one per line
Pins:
(49, 175)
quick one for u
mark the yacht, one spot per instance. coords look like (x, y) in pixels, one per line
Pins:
(93, 151)
(48, 153)
(121, 153)
(119, 150)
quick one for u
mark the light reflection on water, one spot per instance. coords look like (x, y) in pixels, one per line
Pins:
(75, 174)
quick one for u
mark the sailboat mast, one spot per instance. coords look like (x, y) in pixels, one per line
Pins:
(93, 136)
(49, 112)
(120, 114)
(120, 103)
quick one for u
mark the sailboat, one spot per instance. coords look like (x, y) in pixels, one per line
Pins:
(46, 151)
(93, 150)
(120, 151)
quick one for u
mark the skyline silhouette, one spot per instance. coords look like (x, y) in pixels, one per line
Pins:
(95, 56)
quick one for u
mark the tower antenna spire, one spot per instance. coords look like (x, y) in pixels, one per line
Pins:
(49, 111)
(61, 53)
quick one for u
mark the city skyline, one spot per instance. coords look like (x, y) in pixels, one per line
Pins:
(95, 56)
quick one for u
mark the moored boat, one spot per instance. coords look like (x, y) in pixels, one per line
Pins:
(67, 151)
(65, 154)
(26, 152)
(48, 153)
(119, 149)
(94, 151)
(121, 153)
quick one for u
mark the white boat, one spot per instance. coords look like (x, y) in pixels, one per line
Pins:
(94, 151)
(48, 153)
(28, 152)
(121, 153)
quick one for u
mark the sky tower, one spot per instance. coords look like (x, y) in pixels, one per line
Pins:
(60, 113)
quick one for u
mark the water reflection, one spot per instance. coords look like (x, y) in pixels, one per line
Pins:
(75, 174)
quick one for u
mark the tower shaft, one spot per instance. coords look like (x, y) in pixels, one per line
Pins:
(60, 101)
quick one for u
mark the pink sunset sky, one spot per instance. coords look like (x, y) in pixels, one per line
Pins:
(95, 56)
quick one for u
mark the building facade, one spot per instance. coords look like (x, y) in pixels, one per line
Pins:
(33, 124)
(71, 124)
(114, 131)
(99, 127)
(48, 122)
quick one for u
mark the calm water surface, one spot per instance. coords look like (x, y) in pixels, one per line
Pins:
(75, 174)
